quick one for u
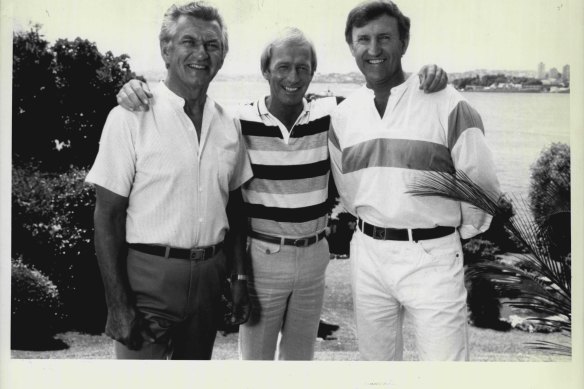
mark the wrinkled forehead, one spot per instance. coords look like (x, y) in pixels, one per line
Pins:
(381, 24)
(295, 51)
(196, 27)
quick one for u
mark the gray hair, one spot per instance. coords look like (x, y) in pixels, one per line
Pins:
(290, 35)
(196, 9)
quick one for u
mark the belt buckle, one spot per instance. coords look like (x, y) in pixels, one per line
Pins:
(302, 242)
(379, 233)
(197, 254)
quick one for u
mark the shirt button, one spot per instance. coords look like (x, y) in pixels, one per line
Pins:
(200, 189)
(200, 220)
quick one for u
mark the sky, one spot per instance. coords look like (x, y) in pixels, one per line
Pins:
(459, 35)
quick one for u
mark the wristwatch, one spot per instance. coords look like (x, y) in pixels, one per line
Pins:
(238, 277)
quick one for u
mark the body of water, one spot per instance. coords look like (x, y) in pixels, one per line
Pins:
(517, 125)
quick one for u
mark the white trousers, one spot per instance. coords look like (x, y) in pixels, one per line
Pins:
(424, 279)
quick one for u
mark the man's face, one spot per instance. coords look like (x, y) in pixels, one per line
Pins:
(195, 53)
(289, 73)
(377, 49)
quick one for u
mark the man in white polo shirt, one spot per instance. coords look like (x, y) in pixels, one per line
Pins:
(406, 253)
(163, 179)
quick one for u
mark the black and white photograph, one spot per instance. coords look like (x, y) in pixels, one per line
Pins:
(364, 194)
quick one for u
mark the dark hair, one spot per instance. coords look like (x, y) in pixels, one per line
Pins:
(371, 10)
(291, 36)
(196, 9)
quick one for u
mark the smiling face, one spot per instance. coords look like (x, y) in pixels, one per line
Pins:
(378, 49)
(289, 73)
(193, 56)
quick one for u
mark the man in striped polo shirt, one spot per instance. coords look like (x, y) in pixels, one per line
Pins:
(406, 253)
(286, 201)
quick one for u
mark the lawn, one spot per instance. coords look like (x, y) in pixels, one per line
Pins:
(486, 345)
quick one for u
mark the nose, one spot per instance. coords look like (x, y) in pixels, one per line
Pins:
(292, 75)
(373, 48)
(199, 51)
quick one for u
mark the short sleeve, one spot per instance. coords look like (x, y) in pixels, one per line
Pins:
(115, 165)
(242, 170)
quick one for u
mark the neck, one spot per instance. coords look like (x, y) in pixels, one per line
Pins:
(382, 88)
(285, 113)
(194, 96)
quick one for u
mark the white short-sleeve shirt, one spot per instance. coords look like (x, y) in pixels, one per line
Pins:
(177, 187)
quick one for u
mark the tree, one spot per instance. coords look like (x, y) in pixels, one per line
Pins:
(62, 95)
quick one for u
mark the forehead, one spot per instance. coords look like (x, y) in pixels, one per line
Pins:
(291, 52)
(380, 25)
(189, 25)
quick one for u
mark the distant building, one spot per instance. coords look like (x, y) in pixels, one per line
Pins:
(541, 71)
(566, 73)
(554, 74)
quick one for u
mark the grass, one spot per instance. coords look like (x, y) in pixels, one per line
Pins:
(486, 345)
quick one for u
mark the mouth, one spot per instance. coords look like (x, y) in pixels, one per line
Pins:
(196, 66)
(375, 61)
(290, 89)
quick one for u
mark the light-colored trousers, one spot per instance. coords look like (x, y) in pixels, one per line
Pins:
(286, 288)
(423, 279)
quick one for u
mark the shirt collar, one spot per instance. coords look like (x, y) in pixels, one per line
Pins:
(263, 108)
(396, 89)
(178, 102)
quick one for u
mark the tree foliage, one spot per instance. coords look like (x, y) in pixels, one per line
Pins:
(61, 97)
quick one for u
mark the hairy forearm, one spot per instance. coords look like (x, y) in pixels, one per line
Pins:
(110, 232)
(235, 240)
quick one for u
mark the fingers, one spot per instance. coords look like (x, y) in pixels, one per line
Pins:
(432, 78)
(427, 75)
(240, 313)
(134, 96)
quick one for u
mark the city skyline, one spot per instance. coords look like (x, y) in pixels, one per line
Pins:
(459, 35)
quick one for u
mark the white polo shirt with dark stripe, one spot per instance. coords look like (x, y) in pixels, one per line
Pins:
(289, 190)
(374, 159)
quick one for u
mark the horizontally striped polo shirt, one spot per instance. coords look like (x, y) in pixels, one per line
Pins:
(289, 190)
(375, 159)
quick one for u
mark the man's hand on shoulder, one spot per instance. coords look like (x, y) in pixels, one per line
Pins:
(134, 96)
(432, 78)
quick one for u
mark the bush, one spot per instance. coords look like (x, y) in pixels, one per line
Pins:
(62, 95)
(549, 191)
(36, 308)
(52, 229)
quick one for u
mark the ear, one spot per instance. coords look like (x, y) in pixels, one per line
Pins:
(405, 43)
(165, 48)
(266, 75)
(351, 48)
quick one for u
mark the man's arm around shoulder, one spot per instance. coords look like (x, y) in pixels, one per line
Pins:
(124, 323)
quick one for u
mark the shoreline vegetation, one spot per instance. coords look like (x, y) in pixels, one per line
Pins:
(488, 83)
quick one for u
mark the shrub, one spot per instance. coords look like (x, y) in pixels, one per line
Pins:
(62, 95)
(36, 308)
(52, 229)
(549, 191)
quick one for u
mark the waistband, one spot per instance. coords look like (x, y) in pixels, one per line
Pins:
(414, 234)
(298, 242)
(193, 254)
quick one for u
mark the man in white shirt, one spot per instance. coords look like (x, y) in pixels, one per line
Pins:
(163, 179)
(406, 252)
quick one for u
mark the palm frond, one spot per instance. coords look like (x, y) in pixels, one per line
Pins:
(541, 283)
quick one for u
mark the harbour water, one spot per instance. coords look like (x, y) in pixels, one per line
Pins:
(517, 125)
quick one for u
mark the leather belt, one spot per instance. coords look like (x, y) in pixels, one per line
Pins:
(300, 242)
(194, 254)
(417, 234)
